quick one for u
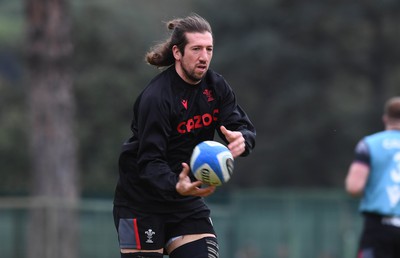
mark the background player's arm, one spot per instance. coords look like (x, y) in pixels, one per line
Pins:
(356, 179)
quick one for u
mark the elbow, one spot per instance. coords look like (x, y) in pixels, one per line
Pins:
(354, 193)
(354, 190)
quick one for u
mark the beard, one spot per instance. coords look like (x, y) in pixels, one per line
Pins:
(192, 76)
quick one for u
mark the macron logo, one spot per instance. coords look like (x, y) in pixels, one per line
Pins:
(184, 103)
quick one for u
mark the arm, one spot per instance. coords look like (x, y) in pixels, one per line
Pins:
(236, 128)
(356, 179)
(359, 170)
(153, 130)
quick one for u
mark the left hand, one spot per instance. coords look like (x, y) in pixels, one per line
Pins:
(185, 187)
(236, 141)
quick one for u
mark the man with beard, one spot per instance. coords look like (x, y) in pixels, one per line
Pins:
(158, 205)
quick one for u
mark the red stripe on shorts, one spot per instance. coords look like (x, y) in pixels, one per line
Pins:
(137, 238)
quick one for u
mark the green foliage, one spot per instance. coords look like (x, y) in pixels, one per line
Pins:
(11, 22)
(14, 129)
(312, 76)
(13, 139)
(108, 65)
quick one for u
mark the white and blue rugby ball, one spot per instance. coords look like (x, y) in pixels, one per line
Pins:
(212, 163)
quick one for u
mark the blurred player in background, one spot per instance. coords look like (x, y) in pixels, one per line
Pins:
(158, 205)
(375, 175)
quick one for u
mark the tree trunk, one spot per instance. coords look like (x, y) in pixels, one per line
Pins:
(52, 225)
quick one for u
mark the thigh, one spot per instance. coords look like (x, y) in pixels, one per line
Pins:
(206, 247)
(375, 242)
(184, 240)
(137, 230)
(188, 227)
(189, 223)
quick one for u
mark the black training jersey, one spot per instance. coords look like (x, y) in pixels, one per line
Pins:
(170, 118)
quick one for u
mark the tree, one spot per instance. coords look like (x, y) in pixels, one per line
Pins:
(53, 222)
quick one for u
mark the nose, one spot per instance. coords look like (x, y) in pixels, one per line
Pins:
(204, 55)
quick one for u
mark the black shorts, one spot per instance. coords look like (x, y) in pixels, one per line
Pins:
(379, 239)
(149, 231)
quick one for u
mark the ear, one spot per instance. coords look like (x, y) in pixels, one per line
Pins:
(177, 54)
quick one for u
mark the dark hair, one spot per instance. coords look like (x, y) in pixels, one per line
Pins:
(161, 55)
(392, 108)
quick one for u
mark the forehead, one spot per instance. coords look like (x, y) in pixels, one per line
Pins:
(201, 39)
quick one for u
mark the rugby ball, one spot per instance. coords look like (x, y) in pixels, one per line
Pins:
(212, 163)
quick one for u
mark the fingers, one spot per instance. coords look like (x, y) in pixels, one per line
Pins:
(203, 192)
(194, 189)
(236, 141)
(185, 171)
(224, 130)
(185, 187)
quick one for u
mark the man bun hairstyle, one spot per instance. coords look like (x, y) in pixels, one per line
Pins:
(392, 108)
(161, 54)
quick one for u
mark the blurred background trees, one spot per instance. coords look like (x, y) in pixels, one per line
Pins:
(53, 231)
(312, 75)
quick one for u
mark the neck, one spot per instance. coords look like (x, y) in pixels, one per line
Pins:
(393, 127)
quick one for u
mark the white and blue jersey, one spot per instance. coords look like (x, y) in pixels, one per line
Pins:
(381, 151)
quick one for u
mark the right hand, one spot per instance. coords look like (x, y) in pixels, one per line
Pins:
(185, 187)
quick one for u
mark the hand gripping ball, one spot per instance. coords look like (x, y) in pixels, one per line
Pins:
(212, 163)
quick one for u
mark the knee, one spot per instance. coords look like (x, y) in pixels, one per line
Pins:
(202, 248)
